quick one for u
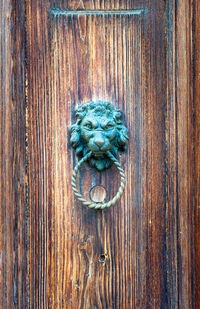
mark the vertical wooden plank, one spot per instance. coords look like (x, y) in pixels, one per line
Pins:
(185, 161)
(154, 155)
(197, 149)
(12, 158)
(97, 52)
(180, 159)
(38, 121)
(18, 52)
(6, 158)
(171, 163)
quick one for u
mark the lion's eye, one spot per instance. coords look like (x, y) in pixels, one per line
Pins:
(109, 126)
(88, 126)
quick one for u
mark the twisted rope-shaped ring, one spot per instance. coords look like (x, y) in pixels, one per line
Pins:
(92, 204)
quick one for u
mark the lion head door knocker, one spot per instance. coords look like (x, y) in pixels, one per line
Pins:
(97, 136)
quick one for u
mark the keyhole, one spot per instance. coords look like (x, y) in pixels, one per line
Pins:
(102, 258)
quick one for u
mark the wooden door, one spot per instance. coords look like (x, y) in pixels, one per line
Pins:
(140, 253)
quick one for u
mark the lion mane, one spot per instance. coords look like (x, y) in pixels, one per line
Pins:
(98, 108)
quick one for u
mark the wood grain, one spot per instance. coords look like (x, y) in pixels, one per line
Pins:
(140, 253)
(197, 149)
(180, 218)
(12, 158)
(144, 252)
(90, 50)
(185, 161)
(91, 57)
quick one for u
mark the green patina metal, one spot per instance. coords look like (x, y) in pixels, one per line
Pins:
(97, 136)
(98, 129)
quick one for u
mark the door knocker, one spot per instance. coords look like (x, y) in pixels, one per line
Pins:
(97, 136)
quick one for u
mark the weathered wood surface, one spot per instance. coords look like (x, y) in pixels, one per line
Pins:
(92, 59)
(146, 238)
(12, 157)
(196, 89)
(182, 160)
(140, 253)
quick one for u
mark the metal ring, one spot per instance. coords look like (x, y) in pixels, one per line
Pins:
(92, 204)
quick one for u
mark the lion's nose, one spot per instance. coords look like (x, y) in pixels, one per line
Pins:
(99, 141)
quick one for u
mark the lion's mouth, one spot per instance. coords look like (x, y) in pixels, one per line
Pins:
(98, 154)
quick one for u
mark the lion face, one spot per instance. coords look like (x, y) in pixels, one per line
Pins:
(98, 129)
(98, 132)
